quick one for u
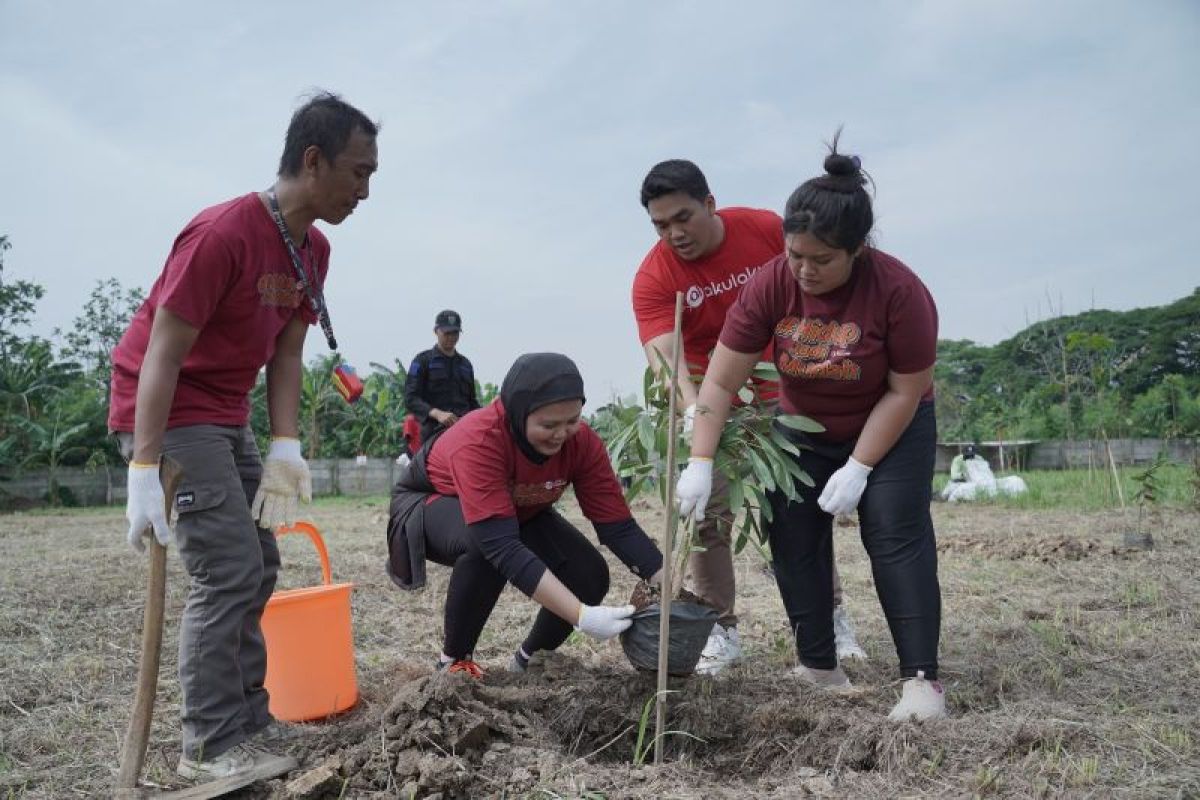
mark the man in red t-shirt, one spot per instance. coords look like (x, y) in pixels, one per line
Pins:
(241, 286)
(709, 255)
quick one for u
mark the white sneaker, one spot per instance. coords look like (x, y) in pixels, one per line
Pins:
(843, 636)
(920, 700)
(834, 680)
(278, 734)
(723, 648)
(239, 759)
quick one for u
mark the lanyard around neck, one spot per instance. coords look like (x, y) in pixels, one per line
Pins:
(316, 301)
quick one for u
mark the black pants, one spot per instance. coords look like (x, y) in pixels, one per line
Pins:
(475, 584)
(897, 532)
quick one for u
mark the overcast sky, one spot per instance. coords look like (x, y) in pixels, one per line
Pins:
(1021, 150)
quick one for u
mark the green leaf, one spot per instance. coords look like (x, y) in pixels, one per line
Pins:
(743, 535)
(616, 451)
(800, 423)
(782, 442)
(778, 462)
(760, 502)
(736, 496)
(762, 473)
(766, 371)
(648, 386)
(794, 469)
(645, 431)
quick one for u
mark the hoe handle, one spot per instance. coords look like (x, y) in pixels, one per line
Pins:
(133, 754)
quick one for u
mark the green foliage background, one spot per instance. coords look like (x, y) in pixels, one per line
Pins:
(1115, 374)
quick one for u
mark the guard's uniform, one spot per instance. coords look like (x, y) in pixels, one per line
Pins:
(436, 380)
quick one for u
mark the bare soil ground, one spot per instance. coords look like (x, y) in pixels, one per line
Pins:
(1072, 668)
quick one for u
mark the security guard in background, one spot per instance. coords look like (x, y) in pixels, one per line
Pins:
(441, 381)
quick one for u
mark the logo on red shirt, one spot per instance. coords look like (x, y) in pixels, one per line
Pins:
(695, 295)
(279, 289)
(536, 494)
(814, 348)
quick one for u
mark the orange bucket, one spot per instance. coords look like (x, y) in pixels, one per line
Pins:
(310, 649)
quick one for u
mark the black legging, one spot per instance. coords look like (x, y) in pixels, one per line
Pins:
(475, 584)
(897, 532)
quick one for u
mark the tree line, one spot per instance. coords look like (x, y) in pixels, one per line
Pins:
(1095, 375)
(1099, 373)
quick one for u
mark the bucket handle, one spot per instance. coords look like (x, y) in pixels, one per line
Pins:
(310, 530)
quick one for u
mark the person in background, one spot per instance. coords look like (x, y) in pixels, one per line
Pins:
(440, 386)
(242, 284)
(958, 471)
(855, 340)
(479, 498)
(708, 254)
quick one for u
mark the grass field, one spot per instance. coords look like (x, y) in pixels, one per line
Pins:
(1072, 667)
(1095, 490)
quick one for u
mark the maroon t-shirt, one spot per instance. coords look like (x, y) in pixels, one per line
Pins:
(230, 275)
(834, 350)
(477, 460)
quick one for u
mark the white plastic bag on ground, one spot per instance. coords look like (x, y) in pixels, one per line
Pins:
(1011, 485)
(981, 482)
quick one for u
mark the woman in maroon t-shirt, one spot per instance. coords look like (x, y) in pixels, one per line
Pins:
(855, 338)
(479, 497)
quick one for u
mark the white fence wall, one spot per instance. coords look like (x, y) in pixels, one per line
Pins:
(345, 476)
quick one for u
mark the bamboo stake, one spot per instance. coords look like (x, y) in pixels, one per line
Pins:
(1116, 475)
(664, 598)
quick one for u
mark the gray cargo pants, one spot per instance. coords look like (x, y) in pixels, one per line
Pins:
(232, 563)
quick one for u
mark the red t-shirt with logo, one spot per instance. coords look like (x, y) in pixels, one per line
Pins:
(834, 350)
(230, 275)
(477, 460)
(710, 284)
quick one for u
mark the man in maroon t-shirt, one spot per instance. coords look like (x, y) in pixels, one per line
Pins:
(241, 286)
(709, 255)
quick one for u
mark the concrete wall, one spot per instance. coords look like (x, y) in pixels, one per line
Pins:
(342, 476)
(1078, 454)
(345, 476)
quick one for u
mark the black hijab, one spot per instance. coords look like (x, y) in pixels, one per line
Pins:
(536, 380)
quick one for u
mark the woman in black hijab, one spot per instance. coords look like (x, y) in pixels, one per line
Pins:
(479, 498)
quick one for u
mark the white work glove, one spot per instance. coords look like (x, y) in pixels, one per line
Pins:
(694, 488)
(844, 489)
(689, 419)
(604, 622)
(285, 479)
(145, 506)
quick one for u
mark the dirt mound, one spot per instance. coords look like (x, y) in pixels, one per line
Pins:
(564, 726)
(1042, 548)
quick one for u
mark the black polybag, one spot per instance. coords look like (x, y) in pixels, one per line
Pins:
(691, 623)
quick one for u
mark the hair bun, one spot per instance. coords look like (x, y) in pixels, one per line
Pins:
(843, 166)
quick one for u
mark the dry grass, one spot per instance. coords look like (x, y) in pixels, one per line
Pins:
(1072, 666)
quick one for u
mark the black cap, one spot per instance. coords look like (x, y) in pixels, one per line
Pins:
(448, 321)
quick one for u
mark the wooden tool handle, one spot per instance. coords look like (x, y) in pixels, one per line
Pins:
(133, 755)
